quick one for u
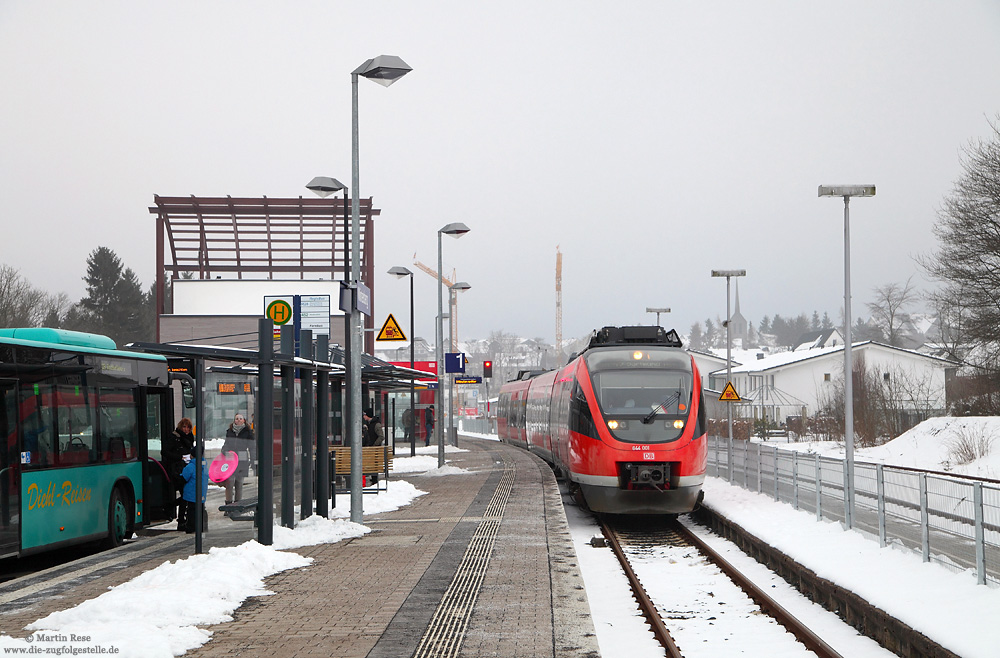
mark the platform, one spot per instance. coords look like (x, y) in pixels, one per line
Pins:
(483, 565)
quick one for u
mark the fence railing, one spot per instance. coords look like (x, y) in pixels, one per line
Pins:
(951, 520)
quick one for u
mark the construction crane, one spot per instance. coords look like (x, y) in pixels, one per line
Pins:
(558, 302)
(453, 310)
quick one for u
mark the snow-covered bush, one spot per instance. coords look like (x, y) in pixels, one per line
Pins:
(969, 444)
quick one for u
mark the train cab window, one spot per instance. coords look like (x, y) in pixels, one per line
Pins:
(118, 433)
(581, 420)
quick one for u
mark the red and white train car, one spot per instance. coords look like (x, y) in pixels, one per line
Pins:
(623, 421)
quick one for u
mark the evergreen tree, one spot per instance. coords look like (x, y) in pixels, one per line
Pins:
(711, 333)
(814, 324)
(115, 305)
(696, 339)
(827, 324)
(765, 326)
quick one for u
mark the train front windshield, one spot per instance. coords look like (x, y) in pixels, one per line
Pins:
(644, 393)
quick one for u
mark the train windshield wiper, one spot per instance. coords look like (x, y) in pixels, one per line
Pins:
(673, 397)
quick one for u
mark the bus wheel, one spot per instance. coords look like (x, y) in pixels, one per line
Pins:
(117, 519)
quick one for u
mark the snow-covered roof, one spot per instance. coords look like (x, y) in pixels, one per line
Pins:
(782, 359)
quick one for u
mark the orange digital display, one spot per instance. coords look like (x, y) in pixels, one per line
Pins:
(231, 388)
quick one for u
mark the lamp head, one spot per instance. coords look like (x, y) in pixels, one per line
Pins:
(324, 186)
(400, 272)
(728, 273)
(455, 229)
(384, 69)
(847, 190)
(461, 286)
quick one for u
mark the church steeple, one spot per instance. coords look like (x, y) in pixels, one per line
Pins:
(739, 325)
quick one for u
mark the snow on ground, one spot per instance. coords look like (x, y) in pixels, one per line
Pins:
(948, 607)
(929, 446)
(169, 606)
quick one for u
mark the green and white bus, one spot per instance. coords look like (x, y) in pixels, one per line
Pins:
(81, 423)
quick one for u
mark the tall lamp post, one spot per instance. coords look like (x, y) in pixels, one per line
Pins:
(461, 286)
(455, 230)
(657, 311)
(384, 69)
(400, 272)
(729, 274)
(847, 191)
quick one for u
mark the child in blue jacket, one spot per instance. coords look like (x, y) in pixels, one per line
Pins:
(187, 474)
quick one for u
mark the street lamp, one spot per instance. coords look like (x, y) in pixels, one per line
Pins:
(847, 191)
(324, 186)
(400, 272)
(729, 274)
(657, 311)
(384, 69)
(455, 230)
(461, 286)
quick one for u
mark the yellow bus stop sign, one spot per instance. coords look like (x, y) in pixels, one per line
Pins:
(391, 330)
(729, 394)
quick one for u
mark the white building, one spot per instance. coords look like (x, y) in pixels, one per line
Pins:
(800, 382)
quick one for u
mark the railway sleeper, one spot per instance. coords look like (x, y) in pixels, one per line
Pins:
(873, 622)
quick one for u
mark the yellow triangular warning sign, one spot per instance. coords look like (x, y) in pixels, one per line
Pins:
(390, 330)
(729, 394)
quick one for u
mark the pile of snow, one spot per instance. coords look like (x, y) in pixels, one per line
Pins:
(169, 606)
(929, 446)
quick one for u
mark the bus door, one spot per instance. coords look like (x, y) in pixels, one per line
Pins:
(158, 490)
(10, 481)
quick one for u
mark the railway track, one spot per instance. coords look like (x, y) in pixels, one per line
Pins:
(626, 541)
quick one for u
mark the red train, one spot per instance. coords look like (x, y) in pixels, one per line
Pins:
(623, 421)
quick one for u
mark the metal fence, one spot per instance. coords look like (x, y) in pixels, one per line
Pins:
(951, 520)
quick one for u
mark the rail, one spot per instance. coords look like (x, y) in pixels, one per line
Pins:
(767, 604)
(646, 606)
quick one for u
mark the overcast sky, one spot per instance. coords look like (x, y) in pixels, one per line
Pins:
(652, 141)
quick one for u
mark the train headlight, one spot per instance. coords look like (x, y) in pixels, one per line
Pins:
(617, 424)
(637, 355)
(679, 424)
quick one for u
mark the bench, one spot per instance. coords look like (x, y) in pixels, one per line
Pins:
(771, 433)
(241, 510)
(375, 461)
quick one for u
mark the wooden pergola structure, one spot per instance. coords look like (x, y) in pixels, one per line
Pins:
(259, 238)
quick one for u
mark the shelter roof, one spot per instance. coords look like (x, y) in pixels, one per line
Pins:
(258, 236)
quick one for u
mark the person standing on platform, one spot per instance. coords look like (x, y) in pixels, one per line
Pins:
(179, 444)
(191, 497)
(239, 439)
(374, 434)
(429, 424)
(407, 422)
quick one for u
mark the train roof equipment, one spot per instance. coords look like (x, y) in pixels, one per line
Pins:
(635, 335)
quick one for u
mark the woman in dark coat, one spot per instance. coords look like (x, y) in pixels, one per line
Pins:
(239, 438)
(172, 452)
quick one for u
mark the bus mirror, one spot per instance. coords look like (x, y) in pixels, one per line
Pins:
(187, 392)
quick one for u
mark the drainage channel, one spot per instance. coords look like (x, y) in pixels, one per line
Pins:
(443, 637)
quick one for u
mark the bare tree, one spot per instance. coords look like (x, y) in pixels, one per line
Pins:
(886, 403)
(968, 257)
(503, 352)
(21, 304)
(888, 308)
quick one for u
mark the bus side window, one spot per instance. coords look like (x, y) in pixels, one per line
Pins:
(76, 425)
(119, 426)
(38, 425)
